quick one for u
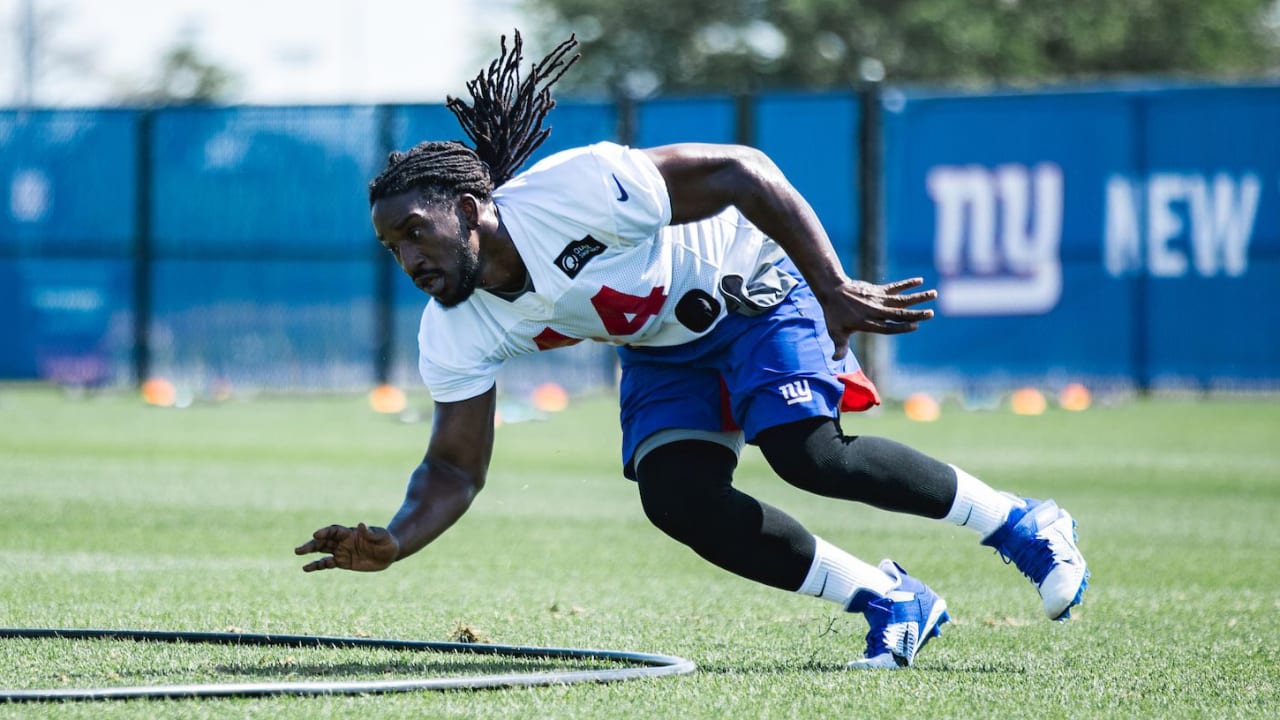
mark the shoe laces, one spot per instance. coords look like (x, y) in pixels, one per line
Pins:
(1034, 558)
(1031, 549)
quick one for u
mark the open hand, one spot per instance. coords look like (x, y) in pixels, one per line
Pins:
(361, 548)
(860, 306)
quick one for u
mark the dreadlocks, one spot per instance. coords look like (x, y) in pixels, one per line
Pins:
(504, 121)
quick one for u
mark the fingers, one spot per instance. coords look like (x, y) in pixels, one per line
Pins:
(324, 563)
(324, 540)
(893, 299)
(895, 314)
(898, 286)
(888, 314)
(911, 299)
(842, 347)
(891, 327)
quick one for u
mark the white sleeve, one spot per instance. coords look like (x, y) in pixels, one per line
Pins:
(635, 191)
(449, 362)
(613, 193)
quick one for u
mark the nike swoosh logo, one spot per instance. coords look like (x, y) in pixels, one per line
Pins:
(622, 192)
(824, 585)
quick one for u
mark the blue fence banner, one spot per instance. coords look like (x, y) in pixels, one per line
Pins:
(1201, 220)
(263, 182)
(65, 320)
(976, 191)
(1119, 235)
(68, 219)
(814, 140)
(68, 182)
(1077, 234)
(263, 323)
(663, 121)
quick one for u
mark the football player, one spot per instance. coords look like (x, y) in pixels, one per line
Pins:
(732, 317)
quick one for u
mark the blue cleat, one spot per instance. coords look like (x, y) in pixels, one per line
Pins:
(1040, 539)
(901, 622)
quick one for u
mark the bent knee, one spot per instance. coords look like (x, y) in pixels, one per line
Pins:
(681, 483)
(671, 512)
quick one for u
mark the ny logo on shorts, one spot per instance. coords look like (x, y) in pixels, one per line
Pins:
(796, 392)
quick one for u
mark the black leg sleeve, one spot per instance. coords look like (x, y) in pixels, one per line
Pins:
(815, 455)
(686, 489)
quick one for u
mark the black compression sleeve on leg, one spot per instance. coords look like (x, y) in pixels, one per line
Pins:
(815, 455)
(686, 488)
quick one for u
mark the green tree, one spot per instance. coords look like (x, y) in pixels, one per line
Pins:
(647, 46)
(186, 76)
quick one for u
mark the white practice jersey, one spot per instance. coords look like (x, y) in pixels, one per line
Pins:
(592, 226)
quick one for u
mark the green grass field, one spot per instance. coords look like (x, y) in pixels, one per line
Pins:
(117, 515)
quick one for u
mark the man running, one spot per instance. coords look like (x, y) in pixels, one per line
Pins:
(732, 316)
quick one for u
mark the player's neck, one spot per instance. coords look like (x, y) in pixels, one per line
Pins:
(504, 269)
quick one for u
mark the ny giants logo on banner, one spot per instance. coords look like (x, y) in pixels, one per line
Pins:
(1176, 224)
(997, 237)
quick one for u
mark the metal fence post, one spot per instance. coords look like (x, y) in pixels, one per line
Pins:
(1141, 287)
(142, 249)
(870, 201)
(383, 289)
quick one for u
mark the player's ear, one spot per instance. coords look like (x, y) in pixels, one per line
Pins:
(469, 209)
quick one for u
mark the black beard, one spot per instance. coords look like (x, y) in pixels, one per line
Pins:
(468, 271)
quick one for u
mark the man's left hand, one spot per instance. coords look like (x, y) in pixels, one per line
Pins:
(860, 306)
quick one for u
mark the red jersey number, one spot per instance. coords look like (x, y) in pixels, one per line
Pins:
(624, 314)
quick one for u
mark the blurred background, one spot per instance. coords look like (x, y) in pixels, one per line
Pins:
(1093, 187)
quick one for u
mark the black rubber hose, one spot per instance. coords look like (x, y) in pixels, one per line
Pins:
(643, 665)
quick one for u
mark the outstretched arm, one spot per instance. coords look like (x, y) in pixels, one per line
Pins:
(440, 490)
(704, 179)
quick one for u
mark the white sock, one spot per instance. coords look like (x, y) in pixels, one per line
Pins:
(836, 575)
(978, 506)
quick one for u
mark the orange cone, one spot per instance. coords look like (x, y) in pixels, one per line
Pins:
(550, 397)
(159, 392)
(921, 407)
(387, 399)
(1028, 401)
(1075, 397)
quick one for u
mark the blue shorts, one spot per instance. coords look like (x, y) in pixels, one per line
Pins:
(748, 374)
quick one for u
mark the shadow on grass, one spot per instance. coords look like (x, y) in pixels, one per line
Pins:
(768, 668)
(774, 668)
(297, 672)
(400, 670)
(985, 668)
